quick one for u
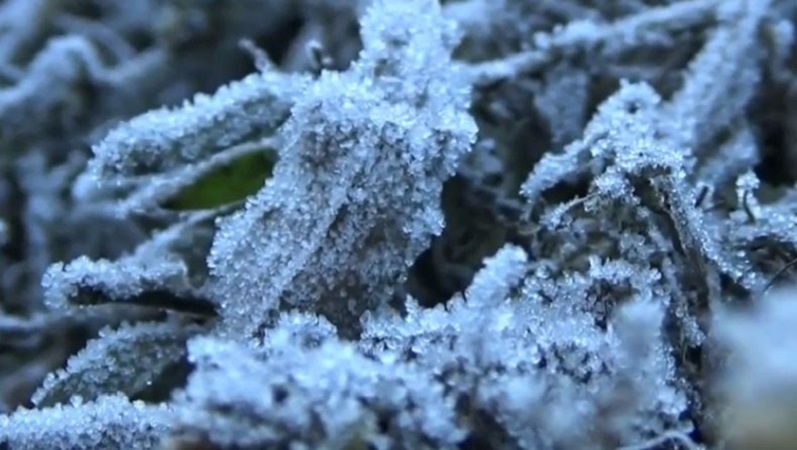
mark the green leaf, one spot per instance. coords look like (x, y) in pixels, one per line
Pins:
(225, 184)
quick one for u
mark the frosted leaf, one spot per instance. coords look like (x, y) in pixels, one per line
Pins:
(353, 199)
(82, 280)
(108, 422)
(43, 98)
(600, 40)
(160, 273)
(86, 282)
(129, 360)
(164, 139)
(326, 397)
(221, 180)
(722, 78)
(616, 129)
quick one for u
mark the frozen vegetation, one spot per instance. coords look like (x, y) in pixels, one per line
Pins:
(398, 224)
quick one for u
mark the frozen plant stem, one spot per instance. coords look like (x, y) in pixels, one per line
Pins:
(585, 36)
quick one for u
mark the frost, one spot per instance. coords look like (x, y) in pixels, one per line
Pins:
(108, 365)
(352, 199)
(252, 107)
(384, 224)
(527, 362)
(325, 397)
(110, 422)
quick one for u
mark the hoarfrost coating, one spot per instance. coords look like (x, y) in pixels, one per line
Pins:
(415, 224)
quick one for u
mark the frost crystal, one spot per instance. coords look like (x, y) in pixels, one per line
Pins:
(384, 224)
(352, 200)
